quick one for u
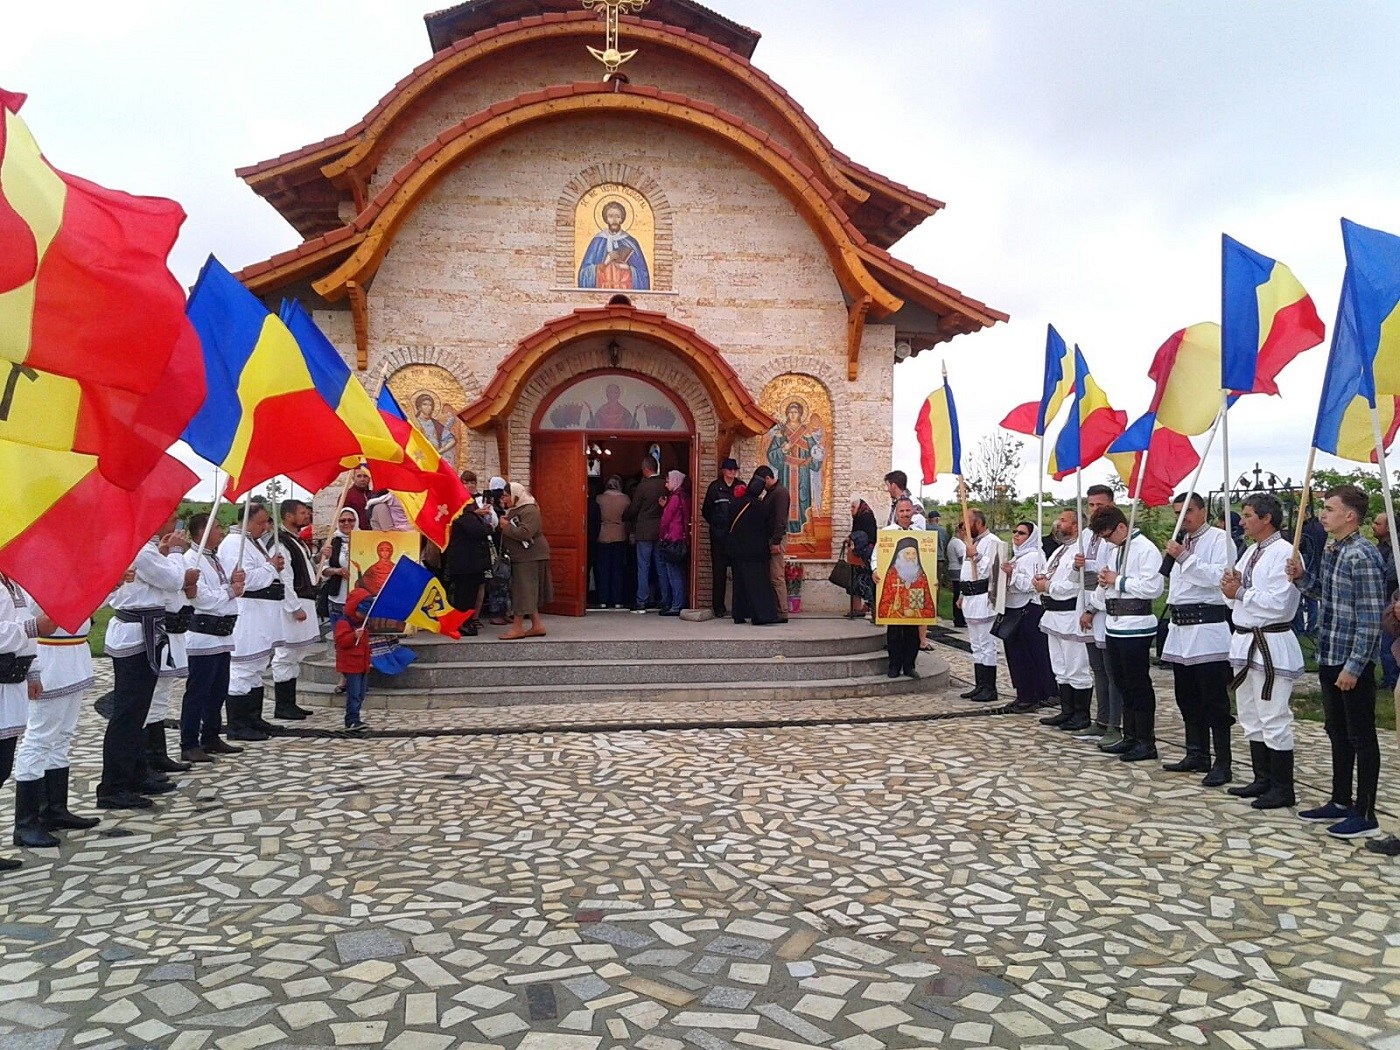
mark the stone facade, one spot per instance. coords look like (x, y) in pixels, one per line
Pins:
(478, 266)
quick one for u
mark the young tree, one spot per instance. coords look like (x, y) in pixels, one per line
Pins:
(995, 466)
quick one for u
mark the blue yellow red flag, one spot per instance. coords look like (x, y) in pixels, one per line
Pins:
(99, 373)
(340, 389)
(1267, 319)
(940, 446)
(264, 415)
(1170, 459)
(1034, 417)
(1092, 426)
(1363, 365)
(420, 470)
(413, 595)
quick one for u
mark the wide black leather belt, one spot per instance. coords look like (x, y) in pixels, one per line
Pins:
(1058, 604)
(1192, 615)
(217, 626)
(973, 587)
(178, 622)
(14, 669)
(153, 637)
(1272, 628)
(1128, 607)
(273, 592)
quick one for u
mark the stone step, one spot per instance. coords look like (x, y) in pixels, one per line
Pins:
(935, 679)
(481, 675)
(765, 644)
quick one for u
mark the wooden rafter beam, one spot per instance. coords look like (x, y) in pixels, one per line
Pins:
(855, 333)
(359, 313)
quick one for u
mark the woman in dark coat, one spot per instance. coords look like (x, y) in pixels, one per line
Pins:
(859, 553)
(467, 560)
(749, 537)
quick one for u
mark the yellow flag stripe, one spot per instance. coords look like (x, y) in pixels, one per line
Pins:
(275, 367)
(36, 479)
(36, 193)
(39, 408)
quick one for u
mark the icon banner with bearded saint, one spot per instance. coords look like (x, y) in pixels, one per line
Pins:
(906, 577)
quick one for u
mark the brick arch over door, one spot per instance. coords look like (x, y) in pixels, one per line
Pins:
(656, 363)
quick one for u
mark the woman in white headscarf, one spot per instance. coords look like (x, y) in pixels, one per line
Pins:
(523, 542)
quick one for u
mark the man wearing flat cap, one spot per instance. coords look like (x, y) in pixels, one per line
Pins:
(716, 510)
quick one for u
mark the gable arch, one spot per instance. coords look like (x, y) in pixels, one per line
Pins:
(381, 221)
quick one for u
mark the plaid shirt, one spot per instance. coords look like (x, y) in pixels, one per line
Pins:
(1351, 584)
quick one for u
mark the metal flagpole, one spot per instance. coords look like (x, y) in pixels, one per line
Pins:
(1196, 477)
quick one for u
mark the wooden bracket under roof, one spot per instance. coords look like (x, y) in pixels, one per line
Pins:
(855, 332)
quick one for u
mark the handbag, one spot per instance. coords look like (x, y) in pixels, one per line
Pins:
(677, 552)
(843, 575)
(1008, 623)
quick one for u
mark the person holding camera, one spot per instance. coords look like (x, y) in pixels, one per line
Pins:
(523, 542)
(467, 559)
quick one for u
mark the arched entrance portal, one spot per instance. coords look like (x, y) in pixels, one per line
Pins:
(548, 372)
(600, 425)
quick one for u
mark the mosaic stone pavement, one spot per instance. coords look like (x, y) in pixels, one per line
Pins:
(958, 883)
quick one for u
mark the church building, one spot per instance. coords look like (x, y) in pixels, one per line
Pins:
(586, 230)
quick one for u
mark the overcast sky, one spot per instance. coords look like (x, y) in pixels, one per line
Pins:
(1090, 153)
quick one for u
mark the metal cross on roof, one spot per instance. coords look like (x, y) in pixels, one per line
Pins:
(611, 57)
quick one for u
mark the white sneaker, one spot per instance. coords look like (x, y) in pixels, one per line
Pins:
(639, 612)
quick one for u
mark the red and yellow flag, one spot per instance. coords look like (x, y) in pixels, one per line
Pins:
(425, 483)
(99, 373)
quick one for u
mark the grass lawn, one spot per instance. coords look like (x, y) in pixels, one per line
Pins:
(1307, 705)
(99, 630)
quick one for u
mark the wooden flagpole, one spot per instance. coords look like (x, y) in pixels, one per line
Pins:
(1137, 491)
(213, 513)
(243, 530)
(1196, 477)
(1225, 446)
(1039, 487)
(1305, 501)
(1386, 494)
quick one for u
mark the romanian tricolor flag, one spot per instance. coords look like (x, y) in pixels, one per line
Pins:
(340, 389)
(264, 415)
(940, 446)
(419, 469)
(99, 372)
(1170, 459)
(1363, 367)
(1092, 426)
(413, 595)
(1034, 417)
(1266, 316)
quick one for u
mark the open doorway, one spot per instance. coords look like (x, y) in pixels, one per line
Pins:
(611, 455)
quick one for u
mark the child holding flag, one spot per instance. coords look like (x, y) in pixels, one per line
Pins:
(352, 656)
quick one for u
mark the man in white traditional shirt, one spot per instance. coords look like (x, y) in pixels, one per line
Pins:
(1061, 596)
(974, 597)
(1130, 581)
(209, 647)
(259, 628)
(1092, 555)
(301, 630)
(1264, 651)
(1198, 640)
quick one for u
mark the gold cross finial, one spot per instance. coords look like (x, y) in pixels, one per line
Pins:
(611, 57)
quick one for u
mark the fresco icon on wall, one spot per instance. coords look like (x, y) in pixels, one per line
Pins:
(431, 398)
(797, 449)
(614, 239)
(614, 403)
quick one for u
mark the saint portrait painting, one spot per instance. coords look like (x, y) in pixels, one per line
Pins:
(796, 452)
(906, 593)
(614, 258)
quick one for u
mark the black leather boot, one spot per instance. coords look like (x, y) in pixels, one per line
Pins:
(987, 685)
(56, 816)
(31, 799)
(1220, 773)
(254, 710)
(1259, 757)
(239, 728)
(158, 754)
(1197, 757)
(976, 683)
(1082, 700)
(292, 692)
(285, 702)
(1280, 793)
(1066, 708)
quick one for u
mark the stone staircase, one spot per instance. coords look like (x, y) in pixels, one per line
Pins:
(618, 657)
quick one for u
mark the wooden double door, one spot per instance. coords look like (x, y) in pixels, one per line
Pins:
(559, 481)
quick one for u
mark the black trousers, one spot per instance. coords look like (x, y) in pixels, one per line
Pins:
(610, 572)
(1203, 693)
(124, 744)
(7, 758)
(753, 593)
(1350, 719)
(1130, 663)
(902, 641)
(206, 691)
(719, 566)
